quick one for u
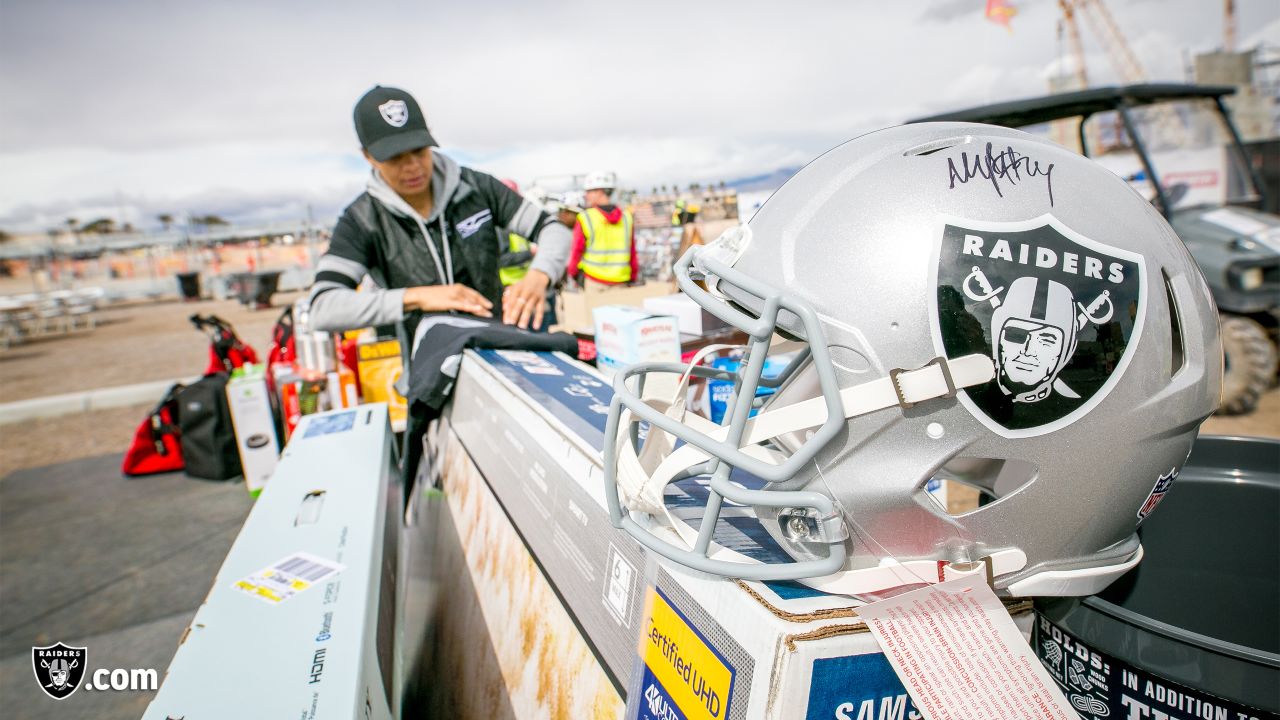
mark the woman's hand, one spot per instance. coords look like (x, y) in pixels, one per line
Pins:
(525, 300)
(442, 298)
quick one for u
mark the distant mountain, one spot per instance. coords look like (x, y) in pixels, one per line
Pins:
(758, 183)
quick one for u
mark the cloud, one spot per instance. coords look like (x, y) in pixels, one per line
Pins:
(944, 12)
(647, 161)
(1268, 34)
(223, 178)
(181, 105)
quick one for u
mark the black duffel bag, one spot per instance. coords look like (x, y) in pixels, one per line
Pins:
(208, 439)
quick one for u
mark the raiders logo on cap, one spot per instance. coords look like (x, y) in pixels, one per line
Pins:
(395, 112)
(1057, 312)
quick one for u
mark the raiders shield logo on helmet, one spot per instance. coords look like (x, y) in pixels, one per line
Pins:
(59, 668)
(395, 112)
(1057, 312)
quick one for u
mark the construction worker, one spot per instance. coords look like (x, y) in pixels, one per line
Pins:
(604, 248)
(567, 209)
(516, 252)
(684, 213)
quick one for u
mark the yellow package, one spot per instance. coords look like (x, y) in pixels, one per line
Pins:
(379, 367)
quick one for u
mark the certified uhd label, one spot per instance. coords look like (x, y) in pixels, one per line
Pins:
(684, 677)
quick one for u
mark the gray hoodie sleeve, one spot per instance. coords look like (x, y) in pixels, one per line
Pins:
(335, 304)
(554, 241)
(339, 309)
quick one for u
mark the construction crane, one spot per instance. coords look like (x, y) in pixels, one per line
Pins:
(1104, 28)
(1068, 22)
(1229, 26)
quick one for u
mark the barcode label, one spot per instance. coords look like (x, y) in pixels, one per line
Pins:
(306, 568)
(288, 577)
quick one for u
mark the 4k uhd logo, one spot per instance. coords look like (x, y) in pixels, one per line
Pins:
(59, 668)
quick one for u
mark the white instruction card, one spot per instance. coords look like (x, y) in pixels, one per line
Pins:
(960, 656)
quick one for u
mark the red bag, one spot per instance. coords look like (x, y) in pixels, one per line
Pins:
(155, 447)
(349, 355)
(282, 344)
(226, 350)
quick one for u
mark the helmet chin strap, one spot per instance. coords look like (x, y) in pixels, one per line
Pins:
(891, 573)
(641, 483)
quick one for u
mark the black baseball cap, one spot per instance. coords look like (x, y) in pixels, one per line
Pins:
(389, 122)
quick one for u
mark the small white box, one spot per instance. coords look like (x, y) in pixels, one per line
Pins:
(689, 315)
(255, 426)
(626, 335)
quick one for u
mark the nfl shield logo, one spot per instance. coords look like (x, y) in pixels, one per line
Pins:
(1157, 494)
(59, 668)
(1058, 313)
(395, 112)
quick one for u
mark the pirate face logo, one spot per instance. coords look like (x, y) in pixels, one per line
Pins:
(1028, 353)
(1057, 313)
(59, 668)
(395, 112)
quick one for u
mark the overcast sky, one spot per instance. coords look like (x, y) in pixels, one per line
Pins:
(128, 109)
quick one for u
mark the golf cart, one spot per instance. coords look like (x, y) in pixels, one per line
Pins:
(1176, 145)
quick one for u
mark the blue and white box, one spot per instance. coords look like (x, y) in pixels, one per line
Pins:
(626, 335)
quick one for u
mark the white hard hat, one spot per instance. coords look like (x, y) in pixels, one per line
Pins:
(600, 180)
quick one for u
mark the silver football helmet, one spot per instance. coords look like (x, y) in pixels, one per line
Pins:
(971, 304)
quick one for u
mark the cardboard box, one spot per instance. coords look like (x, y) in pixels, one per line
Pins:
(379, 365)
(503, 637)
(678, 643)
(626, 335)
(689, 315)
(254, 422)
(540, 461)
(574, 305)
(300, 622)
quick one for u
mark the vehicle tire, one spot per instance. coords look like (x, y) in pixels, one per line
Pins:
(1249, 364)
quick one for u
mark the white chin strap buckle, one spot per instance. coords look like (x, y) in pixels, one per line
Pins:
(922, 383)
(956, 570)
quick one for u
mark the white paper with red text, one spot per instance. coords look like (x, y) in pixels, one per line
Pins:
(961, 657)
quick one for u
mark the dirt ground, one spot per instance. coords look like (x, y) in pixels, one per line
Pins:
(145, 342)
(131, 344)
(1262, 422)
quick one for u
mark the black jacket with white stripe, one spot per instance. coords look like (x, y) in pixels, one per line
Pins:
(381, 235)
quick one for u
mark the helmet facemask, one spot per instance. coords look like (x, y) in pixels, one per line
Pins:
(779, 446)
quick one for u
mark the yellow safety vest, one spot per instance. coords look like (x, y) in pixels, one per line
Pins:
(515, 273)
(608, 253)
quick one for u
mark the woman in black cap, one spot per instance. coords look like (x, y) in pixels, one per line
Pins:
(424, 230)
